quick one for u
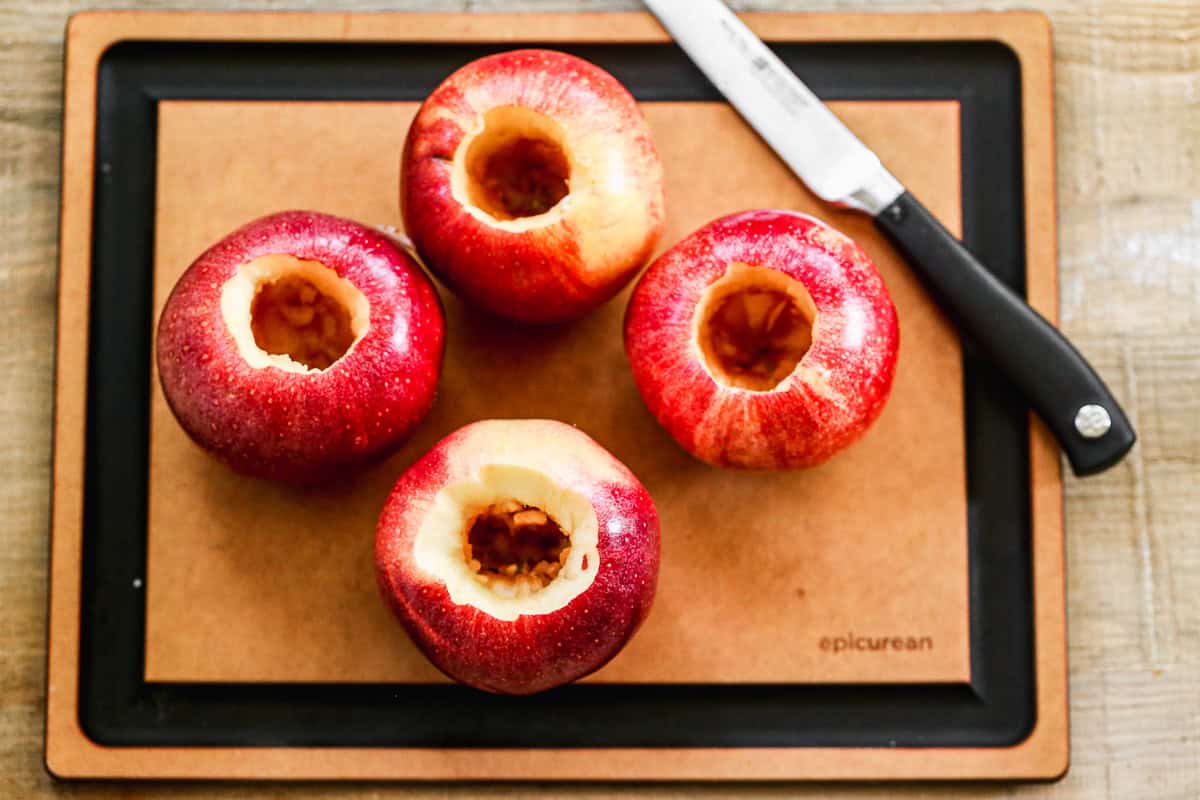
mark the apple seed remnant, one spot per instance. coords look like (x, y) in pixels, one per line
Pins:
(515, 543)
(516, 167)
(290, 316)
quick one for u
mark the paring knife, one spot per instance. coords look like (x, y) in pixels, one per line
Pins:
(1056, 380)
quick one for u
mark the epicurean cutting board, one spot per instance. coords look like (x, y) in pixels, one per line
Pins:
(855, 574)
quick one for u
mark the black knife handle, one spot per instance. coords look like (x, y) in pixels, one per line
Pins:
(1032, 353)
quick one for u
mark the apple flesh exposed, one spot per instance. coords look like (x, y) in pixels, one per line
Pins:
(518, 554)
(531, 185)
(301, 346)
(764, 340)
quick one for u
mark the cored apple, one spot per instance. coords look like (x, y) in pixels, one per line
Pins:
(530, 184)
(764, 340)
(518, 554)
(301, 346)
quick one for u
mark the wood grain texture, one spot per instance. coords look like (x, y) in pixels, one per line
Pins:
(1128, 89)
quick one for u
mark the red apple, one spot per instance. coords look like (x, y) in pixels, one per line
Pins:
(530, 184)
(519, 554)
(764, 340)
(300, 346)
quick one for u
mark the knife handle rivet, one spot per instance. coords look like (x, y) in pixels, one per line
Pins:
(1092, 421)
(895, 212)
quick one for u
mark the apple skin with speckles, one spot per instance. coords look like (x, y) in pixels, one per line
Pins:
(311, 426)
(519, 649)
(825, 403)
(551, 262)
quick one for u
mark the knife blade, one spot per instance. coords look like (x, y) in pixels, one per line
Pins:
(1058, 383)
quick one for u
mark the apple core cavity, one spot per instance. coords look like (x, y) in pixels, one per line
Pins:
(516, 542)
(510, 542)
(754, 325)
(293, 314)
(515, 166)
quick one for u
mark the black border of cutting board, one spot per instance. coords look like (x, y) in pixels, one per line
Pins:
(117, 707)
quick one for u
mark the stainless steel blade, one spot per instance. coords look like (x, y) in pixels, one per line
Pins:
(813, 142)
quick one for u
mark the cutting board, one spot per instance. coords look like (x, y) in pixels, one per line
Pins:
(895, 613)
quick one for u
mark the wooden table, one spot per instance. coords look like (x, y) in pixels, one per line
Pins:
(1129, 181)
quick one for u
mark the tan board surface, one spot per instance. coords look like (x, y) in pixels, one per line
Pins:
(251, 581)
(221, 602)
